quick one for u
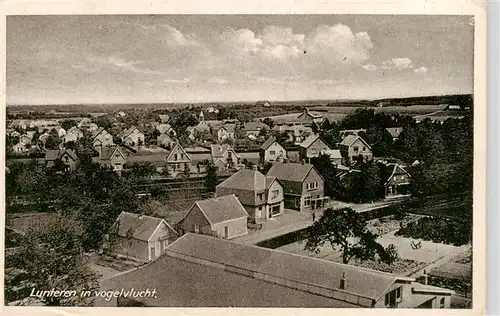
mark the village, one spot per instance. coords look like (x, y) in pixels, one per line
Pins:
(210, 194)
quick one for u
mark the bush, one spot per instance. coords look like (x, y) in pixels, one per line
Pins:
(456, 232)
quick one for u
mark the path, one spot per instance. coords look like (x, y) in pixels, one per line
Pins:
(426, 115)
(437, 263)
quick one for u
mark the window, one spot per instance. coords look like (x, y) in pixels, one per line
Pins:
(165, 244)
(275, 193)
(196, 229)
(272, 152)
(307, 201)
(313, 150)
(118, 166)
(441, 303)
(355, 148)
(175, 156)
(311, 186)
(364, 148)
(393, 297)
(260, 196)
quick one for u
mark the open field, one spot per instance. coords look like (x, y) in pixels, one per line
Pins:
(338, 113)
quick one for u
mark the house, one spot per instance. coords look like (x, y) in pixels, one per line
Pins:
(253, 128)
(25, 139)
(72, 135)
(20, 148)
(113, 157)
(166, 129)
(202, 271)
(335, 156)
(354, 148)
(308, 118)
(221, 217)
(165, 140)
(101, 138)
(396, 179)
(303, 186)
(263, 103)
(43, 138)
(453, 107)
(312, 147)
(60, 131)
(175, 162)
(223, 156)
(87, 125)
(140, 236)
(225, 132)
(272, 151)
(343, 133)
(15, 134)
(164, 118)
(121, 114)
(395, 132)
(296, 131)
(61, 158)
(178, 160)
(262, 196)
(132, 137)
(43, 124)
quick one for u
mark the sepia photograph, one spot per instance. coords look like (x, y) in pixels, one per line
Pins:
(240, 160)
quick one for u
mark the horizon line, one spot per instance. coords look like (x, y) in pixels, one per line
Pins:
(238, 102)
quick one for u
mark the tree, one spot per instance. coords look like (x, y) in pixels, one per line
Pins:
(67, 124)
(329, 173)
(50, 258)
(211, 178)
(269, 122)
(52, 142)
(181, 121)
(346, 229)
(365, 185)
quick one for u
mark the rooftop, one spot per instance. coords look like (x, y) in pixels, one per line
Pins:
(268, 142)
(245, 179)
(309, 141)
(362, 282)
(295, 172)
(221, 209)
(180, 283)
(141, 226)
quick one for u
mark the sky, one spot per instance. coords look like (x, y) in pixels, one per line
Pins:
(225, 58)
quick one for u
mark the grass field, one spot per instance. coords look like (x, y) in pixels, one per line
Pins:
(338, 113)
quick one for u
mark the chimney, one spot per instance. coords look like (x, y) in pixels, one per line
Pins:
(254, 167)
(425, 278)
(343, 284)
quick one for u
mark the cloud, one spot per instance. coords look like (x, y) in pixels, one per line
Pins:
(369, 67)
(397, 63)
(338, 44)
(142, 49)
(275, 35)
(421, 70)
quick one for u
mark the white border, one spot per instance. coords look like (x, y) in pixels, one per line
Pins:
(454, 7)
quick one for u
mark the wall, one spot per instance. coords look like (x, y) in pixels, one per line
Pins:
(316, 147)
(164, 232)
(277, 148)
(131, 248)
(246, 197)
(195, 216)
(236, 228)
(313, 176)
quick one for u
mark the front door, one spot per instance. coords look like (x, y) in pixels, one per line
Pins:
(226, 232)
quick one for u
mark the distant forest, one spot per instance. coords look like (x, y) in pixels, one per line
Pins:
(463, 100)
